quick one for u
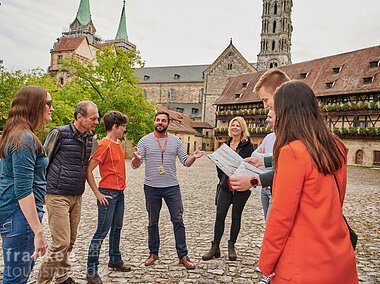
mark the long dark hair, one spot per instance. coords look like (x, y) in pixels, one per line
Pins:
(298, 118)
(26, 114)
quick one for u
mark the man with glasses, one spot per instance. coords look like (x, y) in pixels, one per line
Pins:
(68, 149)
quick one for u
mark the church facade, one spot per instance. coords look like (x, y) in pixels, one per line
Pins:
(81, 42)
(347, 85)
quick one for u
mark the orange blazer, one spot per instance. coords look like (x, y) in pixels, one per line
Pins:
(306, 239)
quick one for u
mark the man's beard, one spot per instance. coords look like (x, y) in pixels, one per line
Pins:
(163, 130)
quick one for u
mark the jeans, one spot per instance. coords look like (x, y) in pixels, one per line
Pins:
(109, 217)
(225, 199)
(266, 200)
(18, 247)
(173, 200)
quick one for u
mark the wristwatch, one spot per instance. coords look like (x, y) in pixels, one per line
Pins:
(254, 181)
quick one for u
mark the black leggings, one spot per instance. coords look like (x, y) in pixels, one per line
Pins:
(238, 199)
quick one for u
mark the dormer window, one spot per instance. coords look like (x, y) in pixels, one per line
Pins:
(177, 76)
(146, 77)
(245, 85)
(336, 70)
(303, 76)
(367, 80)
(329, 85)
(374, 64)
(237, 96)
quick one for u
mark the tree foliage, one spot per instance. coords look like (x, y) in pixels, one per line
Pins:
(12, 81)
(111, 83)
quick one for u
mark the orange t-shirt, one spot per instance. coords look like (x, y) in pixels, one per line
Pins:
(111, 158)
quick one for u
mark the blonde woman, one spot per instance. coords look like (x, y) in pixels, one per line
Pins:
(239, 142)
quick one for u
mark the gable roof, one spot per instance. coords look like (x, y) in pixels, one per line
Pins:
(166, 74)
(229, 48)
(353, 67)
(179, 122)
(201, 124)
(68, 43)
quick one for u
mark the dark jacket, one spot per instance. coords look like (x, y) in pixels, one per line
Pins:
(244, 149)
(67, 170)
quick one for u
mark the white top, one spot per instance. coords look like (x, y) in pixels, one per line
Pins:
(151, 154)
(266, 147)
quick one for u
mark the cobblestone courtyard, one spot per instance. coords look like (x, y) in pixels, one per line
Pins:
(198, 185)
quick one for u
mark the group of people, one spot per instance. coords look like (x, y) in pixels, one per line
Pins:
(306, 239)
(54, 174)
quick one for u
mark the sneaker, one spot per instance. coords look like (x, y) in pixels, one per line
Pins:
(120, 266)
(257, 269)
(94, 279)
(264, 280)
(69, 281)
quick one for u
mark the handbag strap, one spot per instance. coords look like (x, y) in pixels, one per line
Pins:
(337, 185)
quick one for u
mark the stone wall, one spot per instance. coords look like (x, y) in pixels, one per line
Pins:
(368, 148)
(217, 76)
(184, 92)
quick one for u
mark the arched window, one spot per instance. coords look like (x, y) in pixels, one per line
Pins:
(273, 44)
(275, 9)
(172, 95)
(274, 26)
(359, 157)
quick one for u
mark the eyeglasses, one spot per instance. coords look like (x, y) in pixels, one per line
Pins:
(49, 104)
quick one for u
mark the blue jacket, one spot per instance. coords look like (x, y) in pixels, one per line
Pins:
(68, 168)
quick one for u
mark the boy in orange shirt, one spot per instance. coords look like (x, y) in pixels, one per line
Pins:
(110, 158)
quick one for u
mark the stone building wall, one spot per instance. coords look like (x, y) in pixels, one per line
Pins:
(216, 78)
(184, 92)
(368, 148)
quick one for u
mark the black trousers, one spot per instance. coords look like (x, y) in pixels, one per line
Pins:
(225, 199)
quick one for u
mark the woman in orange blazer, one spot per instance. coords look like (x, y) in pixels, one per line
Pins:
(306, 239)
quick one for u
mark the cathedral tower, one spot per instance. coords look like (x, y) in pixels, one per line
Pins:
(121, 39)
(276, 34)
(82, 24)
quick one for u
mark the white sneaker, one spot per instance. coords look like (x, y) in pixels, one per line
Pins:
(257, 269)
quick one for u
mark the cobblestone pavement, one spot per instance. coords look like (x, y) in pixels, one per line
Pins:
(198, 185)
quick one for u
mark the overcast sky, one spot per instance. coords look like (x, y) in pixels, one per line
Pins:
(187, 32)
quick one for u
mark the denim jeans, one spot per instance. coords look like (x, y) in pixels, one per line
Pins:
(109, 217)
(173, 200)
(266, 200)
(18, 247)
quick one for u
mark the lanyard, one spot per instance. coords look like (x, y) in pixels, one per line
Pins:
(162, 149)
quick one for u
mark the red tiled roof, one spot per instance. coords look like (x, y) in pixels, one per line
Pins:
(201, 124)
(103, 45)
(179, 122)
(68, 43)
(354, 66)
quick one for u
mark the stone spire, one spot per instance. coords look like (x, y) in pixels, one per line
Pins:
(122, 30)
(82, 24)
(83, 14)
(276, 34)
